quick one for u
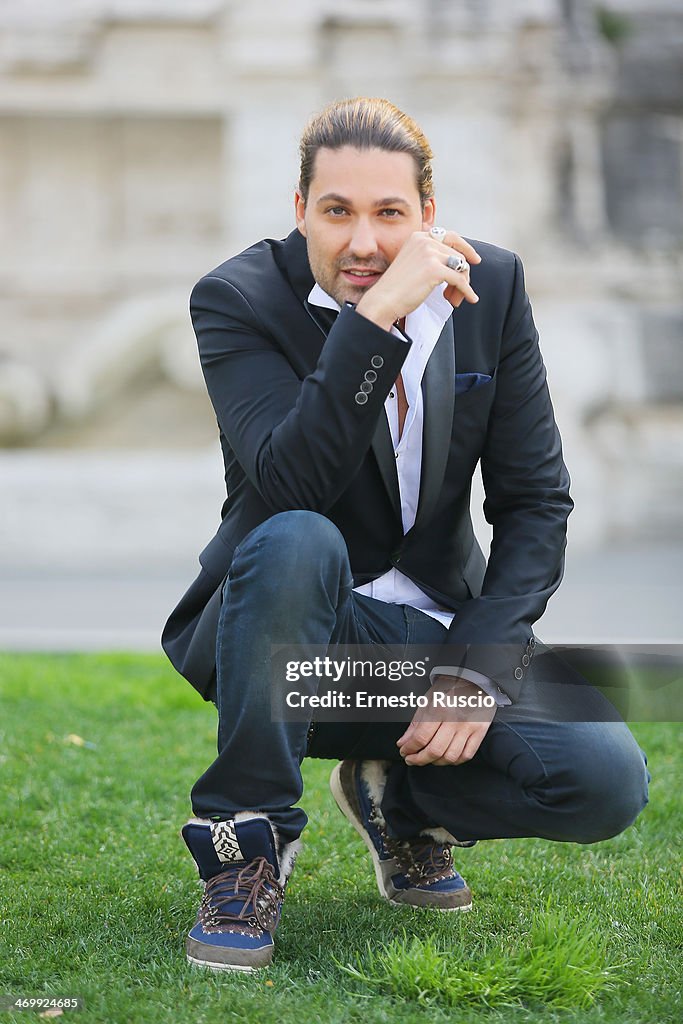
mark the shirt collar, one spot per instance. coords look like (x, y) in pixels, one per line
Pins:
(318, 297)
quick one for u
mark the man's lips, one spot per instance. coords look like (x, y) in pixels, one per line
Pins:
(363, 277)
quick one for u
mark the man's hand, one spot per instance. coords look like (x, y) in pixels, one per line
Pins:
(421, 265)
(456, 738)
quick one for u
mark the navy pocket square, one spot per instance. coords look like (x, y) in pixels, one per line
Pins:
(470, 381)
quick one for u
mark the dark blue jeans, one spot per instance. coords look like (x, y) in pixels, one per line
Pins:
(290, 583)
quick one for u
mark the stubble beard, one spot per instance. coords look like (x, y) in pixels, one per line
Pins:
(329, 279)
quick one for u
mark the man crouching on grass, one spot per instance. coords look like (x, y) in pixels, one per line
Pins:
(360, 369)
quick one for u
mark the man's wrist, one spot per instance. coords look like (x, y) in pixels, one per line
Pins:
(377, 311)
(441, 674)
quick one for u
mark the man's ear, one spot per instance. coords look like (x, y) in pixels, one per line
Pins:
(300, 212)
(429, 214)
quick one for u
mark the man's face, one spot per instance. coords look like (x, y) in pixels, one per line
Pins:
(362, 206)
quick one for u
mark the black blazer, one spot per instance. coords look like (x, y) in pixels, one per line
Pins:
(295, 436)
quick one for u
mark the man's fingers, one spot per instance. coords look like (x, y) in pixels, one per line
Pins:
(471, 747)
(416, 736)
(450, 741)
(458, 285)
(438, 740)
(421, 758)
(459, 279)
(455, 241)
(431, 753)
(463, 747)
(434, 749)
(456, 751)
(453, 296)
(449, 737)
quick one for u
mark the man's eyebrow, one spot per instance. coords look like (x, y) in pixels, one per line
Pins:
(336, 197)
(392, 201)
(344, 201)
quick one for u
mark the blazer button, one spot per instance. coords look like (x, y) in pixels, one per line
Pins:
(519, 674)
(361, 398)
(377, 362)
(371, 376)
(366, 387)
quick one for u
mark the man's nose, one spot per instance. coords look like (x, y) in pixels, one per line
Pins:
(363, 240)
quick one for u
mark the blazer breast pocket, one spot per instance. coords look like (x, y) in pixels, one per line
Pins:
(468, 382)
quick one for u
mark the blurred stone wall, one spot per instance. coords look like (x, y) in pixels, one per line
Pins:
(144, 141)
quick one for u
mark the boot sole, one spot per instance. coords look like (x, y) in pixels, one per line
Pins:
(198, 960)
(349, 813)
(221, 967)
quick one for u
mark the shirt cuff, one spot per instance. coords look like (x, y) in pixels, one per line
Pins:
(471, 676)
(396, 330)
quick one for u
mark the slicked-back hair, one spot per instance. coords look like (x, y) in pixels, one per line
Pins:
(366, 123)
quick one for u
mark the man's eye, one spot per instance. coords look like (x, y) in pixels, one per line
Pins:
(337, 211)
(391, 213)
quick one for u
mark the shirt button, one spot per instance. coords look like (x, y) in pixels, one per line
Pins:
(361, 398)
(377, 362)
(396, 455)
(391, 394)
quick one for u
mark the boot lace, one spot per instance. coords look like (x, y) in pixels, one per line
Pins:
(421, 859)
(255, 886)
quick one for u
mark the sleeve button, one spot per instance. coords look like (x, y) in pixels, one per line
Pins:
(366, 387)
(377, 362)
(519, 674)
(361, 398)
(371, 376)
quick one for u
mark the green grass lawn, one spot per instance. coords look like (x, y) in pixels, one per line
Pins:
(97, 890)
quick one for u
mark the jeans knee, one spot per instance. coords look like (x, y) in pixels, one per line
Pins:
(298, 536)
(292, 549)
(611, 791)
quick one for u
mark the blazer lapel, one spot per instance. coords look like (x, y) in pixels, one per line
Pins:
(307, 328)
(438, 394)
(383, 449)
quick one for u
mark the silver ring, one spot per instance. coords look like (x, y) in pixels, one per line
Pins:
(437, 233)
(457, 262)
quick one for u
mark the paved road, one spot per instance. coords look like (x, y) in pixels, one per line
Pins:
(95, 549)
(607, 597)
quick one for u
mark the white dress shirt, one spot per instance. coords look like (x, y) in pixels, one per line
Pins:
(424, 326)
